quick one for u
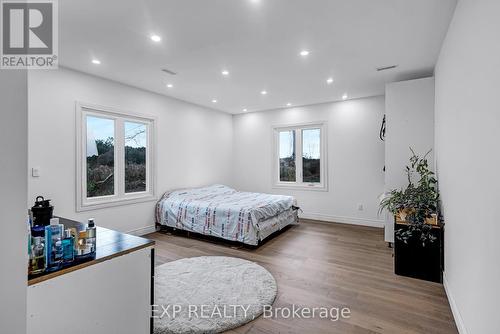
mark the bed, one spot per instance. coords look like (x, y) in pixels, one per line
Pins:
(226, 213)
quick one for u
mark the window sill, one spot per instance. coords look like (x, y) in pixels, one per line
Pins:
(96, 205)
(300, 187)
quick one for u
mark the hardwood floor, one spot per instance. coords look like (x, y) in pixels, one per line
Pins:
(319, 264)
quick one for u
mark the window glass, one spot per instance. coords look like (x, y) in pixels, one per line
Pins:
(135, 157)
(311, 148)
(100, 156)
(287, 156)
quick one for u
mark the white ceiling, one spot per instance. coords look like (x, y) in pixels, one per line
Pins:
(259, 42)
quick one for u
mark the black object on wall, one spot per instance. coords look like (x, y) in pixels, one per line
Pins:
(412, 259)
(381, 134)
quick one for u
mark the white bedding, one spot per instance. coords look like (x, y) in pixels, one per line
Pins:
(226, 213)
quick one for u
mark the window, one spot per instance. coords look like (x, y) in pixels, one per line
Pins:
(300, 156)
(115, 158)
(287, 156)
(135, 157)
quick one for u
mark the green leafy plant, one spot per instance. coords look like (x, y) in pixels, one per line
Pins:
(395, 201)
(419, 200)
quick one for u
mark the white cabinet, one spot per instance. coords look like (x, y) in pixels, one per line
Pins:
(112, 296)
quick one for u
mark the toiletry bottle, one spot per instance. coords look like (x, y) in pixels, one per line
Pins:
(74, 234)
(91, 234)
(82, 250)
(68, 247)
(38, 231)
(53, 244)
(38, 256)
(30, 214)
(30, 251)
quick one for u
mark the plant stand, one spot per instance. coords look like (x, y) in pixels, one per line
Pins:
(412, 259)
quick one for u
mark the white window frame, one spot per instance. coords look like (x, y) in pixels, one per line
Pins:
(120, 197)
(299, 184)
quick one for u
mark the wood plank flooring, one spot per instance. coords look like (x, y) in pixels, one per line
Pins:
(320, 264)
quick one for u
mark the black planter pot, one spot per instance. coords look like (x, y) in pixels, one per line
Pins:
(415, 260)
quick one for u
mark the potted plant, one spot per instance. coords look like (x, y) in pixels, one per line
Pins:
(418, 237)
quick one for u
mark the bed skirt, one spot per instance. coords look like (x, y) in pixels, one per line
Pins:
(263, 230)
(276, 223)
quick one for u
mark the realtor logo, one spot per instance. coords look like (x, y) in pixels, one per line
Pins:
(29, 37)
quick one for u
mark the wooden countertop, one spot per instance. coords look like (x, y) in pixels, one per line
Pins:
(110, 244)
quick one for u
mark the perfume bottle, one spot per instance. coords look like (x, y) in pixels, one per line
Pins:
(84, 249)
(53, 245)
(38, 256)
(68, 247)
(91, 234)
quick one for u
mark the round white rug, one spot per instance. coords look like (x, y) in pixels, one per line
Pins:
(210, 294)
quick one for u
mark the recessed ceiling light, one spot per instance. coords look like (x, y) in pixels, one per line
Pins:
(288, 104)
(214, 101)
(264, 92)
(245, 110)
(304, 53)
(155, 38)
(344, 97)
(170, 85)
(96, 61)
(225, 72)
(329, 81)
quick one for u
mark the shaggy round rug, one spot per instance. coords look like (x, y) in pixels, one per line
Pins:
(210, 294)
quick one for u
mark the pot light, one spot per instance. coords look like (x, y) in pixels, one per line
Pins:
(288, 104)
(304, 53)
(214, 101)
(344, 97)
(264, 92)
(96, 61)
(155, 38)
(329, 81)
(225, 72)
(170, 85)
(245, 109)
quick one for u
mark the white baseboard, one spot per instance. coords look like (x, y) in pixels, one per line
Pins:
(143, 230)
(454, 308)
(344, 220)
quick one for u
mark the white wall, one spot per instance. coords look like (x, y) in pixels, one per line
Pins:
(193, 143)
(355, 157)
(409, 108)
(468, 163)
(13, 199)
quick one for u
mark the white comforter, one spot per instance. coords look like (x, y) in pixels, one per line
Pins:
(220, 211)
